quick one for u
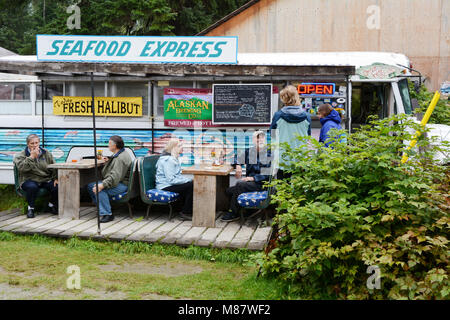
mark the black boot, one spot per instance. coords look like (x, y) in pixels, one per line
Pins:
(30, 213)
(52, 210)
(105, 219)
(186, 216)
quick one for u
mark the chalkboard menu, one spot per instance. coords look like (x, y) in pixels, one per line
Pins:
(242, 103)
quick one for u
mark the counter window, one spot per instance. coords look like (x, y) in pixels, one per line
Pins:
(132, 89)
(83, 89)
(50, 90)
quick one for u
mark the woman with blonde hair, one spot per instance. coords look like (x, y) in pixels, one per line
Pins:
(291, 121)
(169, 177)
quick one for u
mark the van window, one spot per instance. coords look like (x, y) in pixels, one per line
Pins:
(14, 91)
(368, 99)
(404, 93)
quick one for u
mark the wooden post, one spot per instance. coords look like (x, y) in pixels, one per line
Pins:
(204, 210)
(69, 194)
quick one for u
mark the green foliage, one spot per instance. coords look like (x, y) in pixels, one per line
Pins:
(441, 113)
(9, 199)
(21, 20)
(355, 205)
(195, 15)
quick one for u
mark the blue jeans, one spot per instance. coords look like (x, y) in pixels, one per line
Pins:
(104, 205)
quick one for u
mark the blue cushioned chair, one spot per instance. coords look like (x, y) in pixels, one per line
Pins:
(255, 200)
(150, 195)
(132, 192)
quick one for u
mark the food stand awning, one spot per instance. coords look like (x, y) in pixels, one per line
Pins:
(252, 66)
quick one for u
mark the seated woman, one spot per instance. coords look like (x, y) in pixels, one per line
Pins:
(258, 164)
(169, 177)
(116, 174)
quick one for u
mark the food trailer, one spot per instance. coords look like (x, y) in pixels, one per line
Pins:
(205, 104)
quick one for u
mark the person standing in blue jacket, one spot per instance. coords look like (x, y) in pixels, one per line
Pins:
(169, 177)
(291, 121)
(329, 119)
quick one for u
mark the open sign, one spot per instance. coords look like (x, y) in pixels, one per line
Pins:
(326, 89)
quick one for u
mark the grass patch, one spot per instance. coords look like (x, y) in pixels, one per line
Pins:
(9, 199)
(38, 261)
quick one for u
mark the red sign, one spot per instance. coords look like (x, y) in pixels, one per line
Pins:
(316, 89)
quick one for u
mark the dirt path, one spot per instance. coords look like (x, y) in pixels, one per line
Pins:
(14, 291)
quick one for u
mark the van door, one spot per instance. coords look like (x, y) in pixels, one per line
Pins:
(402, 103)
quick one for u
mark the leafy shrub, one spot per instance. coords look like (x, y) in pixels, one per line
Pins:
(355, 205)
(441, 113)
(9, 199)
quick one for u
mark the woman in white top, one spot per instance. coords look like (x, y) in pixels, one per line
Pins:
(169, 177)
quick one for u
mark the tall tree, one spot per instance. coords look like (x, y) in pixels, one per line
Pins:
(21, 20)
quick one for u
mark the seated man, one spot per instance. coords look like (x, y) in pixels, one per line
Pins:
(116, 175)
(257, 161)
(33, 174)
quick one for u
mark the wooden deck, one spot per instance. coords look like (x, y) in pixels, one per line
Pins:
(156, 229)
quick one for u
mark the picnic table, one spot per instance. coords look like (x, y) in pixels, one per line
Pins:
(210, 183)
(71, 176)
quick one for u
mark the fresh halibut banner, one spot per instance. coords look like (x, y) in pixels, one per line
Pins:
(104, 106)
(143, 49)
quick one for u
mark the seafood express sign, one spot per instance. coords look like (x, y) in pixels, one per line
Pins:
(183, 108)
(127, 49)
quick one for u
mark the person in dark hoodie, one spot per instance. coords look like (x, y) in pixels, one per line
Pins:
(291, 121)
(257, 161)
(329, 119)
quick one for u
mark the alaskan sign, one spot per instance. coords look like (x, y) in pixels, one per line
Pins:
(129, 49)
(187, 107)
(104, 106)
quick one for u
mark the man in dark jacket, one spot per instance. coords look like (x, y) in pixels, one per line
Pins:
(257, 171)
(116, 175)
(33, 174)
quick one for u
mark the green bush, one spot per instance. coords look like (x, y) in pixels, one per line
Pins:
(355, 205)
(441, 113)
(9, 199)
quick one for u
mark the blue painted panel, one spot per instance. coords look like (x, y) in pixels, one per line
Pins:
(196, 143)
